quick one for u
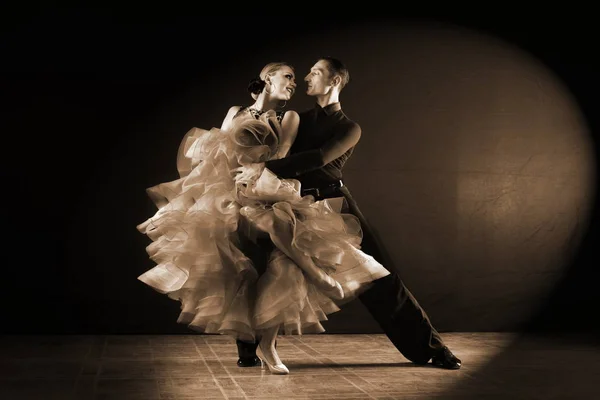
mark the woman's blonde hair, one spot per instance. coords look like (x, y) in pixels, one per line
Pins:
(256, 85)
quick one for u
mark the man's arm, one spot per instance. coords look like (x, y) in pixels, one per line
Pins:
(300, 163)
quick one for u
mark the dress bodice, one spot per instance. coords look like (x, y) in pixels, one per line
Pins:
(256, 113)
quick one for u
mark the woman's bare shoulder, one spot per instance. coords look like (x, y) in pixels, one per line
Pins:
(291, 116)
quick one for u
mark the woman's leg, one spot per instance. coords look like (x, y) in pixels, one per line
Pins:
(267, 347)
(281, 231)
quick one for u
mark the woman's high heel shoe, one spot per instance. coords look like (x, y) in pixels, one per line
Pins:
(277, 369)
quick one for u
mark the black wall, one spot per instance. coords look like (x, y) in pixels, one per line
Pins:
(477, 163)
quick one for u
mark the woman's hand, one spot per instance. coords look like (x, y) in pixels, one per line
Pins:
(248, 172)
(282, 151)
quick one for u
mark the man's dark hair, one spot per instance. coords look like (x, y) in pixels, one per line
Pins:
(336, 67)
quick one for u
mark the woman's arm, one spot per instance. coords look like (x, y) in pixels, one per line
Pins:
(229, 117)
(289, 129)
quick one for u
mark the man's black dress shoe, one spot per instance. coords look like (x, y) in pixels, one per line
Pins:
(444, 358)
(249, 362)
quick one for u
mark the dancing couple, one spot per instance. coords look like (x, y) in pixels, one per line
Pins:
(259, 236)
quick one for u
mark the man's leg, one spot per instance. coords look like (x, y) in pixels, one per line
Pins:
(396, 310)
(402, 319)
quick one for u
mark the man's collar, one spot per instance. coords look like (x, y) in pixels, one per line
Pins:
(331, 108)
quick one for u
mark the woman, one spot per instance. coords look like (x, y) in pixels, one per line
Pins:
(225, 199)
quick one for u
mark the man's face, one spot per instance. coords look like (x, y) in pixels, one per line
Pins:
(318, 79)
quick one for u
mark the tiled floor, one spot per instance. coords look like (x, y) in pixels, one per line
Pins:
(495, 366)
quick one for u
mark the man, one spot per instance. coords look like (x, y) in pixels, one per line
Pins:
(326, 139)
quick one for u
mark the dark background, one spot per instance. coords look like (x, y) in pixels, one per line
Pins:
(475, 165)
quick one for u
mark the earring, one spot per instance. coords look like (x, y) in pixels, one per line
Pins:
(284, 104)
(270, 85)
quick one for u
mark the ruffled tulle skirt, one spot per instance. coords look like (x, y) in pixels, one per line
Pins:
(227, 197)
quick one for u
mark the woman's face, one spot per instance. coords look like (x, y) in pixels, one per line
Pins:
(283, 84)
